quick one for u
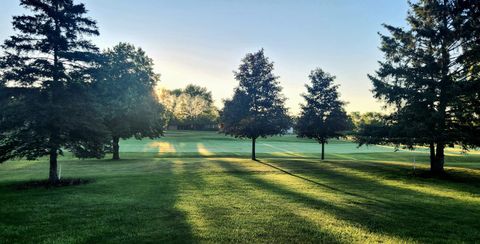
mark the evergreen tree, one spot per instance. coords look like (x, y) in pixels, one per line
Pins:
(323, 116)
(257, 107)
(44, 87)
(126, 91)
(467, 107)
(427, 77)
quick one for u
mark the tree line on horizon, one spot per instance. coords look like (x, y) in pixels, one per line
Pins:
(190, 108)
(59, 92)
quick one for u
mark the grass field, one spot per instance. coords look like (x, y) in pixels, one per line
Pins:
(202, 187)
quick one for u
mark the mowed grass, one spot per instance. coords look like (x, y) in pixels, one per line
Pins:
(202, 187)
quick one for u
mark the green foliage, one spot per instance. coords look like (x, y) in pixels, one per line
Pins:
(190, 108)
(358, 119)
(257, 107)
(45, 77)
(323, 115)
(125, 91)
(194, 91)
(374, 128)
(428, 77)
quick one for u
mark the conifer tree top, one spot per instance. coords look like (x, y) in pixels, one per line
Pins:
(257, 108)
(49, 43)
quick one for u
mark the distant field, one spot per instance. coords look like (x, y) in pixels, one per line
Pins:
(202, 187)
(205, 144)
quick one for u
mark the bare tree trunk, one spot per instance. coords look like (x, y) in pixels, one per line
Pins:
(53, 173)
(253, 149)
(432, 155)
(438, 168)
(323, 150)
(445, 85)
(116, 148)
(53, 176)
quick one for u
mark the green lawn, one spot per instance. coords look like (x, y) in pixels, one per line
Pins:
(202, 187)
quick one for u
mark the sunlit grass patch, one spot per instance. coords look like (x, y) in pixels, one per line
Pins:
(162, 147)
(202, 150)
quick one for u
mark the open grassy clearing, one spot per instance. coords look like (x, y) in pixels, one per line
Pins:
(205, 189)
(205, 144)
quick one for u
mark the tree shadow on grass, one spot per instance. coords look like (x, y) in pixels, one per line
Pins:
(152, 215)
(316, 182)
(214, 155)
(112, 209)
(456, 180)
(47, 184)
(366, 179)
(402, 213)
(228, 212)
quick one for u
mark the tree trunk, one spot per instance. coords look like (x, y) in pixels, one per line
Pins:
(323, 150)
(432, 155)
(253, 149)
(116, 148)
(53, 176)
(53, 173)
(437, 167)
(444, 96)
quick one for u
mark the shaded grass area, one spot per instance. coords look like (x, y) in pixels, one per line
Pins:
(225, 197)
(47, 184)
(117, 207)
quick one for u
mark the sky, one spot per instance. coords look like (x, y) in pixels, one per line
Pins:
(203, 42)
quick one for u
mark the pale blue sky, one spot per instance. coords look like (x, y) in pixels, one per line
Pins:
(203, 41)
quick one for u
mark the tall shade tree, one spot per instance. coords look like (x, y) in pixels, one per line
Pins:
(194, 112)
(198, 91)
(429, 77)
(257, 107)
(126, 92)
(168, 101)
(190, 108)
(322, 116)
(44, 83)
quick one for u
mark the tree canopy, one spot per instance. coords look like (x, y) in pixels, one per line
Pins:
(257, 108)
(198, 91)
(45, 78)
(190, 108)
(429, 77)
(125, 89)
(322, 116)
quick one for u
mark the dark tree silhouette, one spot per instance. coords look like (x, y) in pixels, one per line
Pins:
(125, 91)
(429, 78)
(257, 107)
(45, 105)
(322, 116)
